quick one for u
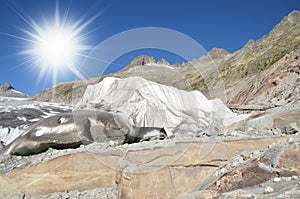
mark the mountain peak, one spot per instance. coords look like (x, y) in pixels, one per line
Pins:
(6, 86)
(163, 62)
(289, 23)
(142, 59)
(7, 90)
(216, 53)
(294, 13)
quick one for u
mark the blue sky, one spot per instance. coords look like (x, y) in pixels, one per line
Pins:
(212, 23)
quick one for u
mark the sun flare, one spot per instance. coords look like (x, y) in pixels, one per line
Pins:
(55, 45)
(56, 48)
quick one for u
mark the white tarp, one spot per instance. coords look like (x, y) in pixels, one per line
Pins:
(149, 104)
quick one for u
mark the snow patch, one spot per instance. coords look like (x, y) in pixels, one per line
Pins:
(8, 134)
(159, 65)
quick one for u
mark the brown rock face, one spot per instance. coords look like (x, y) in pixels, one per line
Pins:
(282, 160)
(249, 175)
(290, 159)
(82, 171)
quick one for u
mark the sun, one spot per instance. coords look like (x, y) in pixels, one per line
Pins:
(55, 46)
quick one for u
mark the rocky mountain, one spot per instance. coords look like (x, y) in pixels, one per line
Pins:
(6, 90)
(135, 134)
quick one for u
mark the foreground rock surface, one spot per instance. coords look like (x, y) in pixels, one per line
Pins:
(175, 168)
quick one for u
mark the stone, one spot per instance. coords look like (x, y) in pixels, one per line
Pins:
(276, 179)
(241, 177)
(290, 128)
(282, 160)
(205, 194)
(233, 134)
(268, 190)
(289, 159)
(276, 131)
(290, 140)
(261, 124)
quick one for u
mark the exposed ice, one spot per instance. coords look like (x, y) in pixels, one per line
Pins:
(18, 114)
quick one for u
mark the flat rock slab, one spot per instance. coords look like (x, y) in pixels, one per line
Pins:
(169, 171)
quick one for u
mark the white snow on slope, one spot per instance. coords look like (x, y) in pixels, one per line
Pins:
(8, 134)
(159, 65)
(149, 104)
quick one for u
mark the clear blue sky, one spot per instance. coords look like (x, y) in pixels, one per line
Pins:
(212, 23)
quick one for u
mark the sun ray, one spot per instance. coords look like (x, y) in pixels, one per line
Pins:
(66, 14)
(27, 20)
(97, 59)
(17, 37)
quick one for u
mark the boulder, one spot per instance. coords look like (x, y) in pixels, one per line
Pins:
(290, 128)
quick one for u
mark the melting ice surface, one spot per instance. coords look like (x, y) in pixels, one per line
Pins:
(17, 114)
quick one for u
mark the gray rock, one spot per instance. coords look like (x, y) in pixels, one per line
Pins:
(276, 179)
(276, 131)
(290, 128)
(261, 124)
(268, 190)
